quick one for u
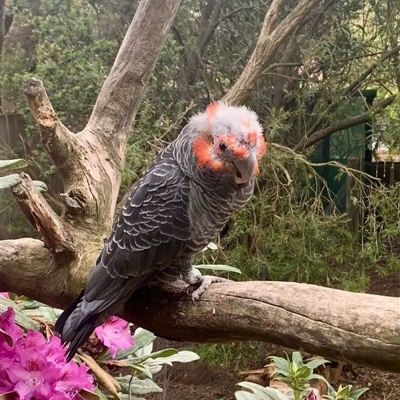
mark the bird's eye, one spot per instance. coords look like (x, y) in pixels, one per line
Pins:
(222, 146)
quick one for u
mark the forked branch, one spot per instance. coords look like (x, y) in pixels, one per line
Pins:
(57, 139)
(56, 233)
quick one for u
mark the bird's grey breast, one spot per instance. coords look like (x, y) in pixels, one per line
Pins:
(210, 210)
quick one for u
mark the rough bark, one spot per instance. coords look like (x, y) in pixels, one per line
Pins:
(355, 327)
(2, 22)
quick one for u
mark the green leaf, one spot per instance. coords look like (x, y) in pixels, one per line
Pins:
(282, 372)
(182, 356)
(138, 386)
(218, 267)
(355, 394)
(13, 179)
(141, 337)
(316, 363)
(344, 392)
(130, 397)
(20, 319)
(242, 395)
(8, 181)
(17, 163)
(141, 368)
(210, 246)
(144, 352)
(41, 186)
(264, 393)
(164, 353)
(316, 376)
(281, 363)
(297, 358)
(101, 395)
(254, 387)
(303, 372)
(45, 312)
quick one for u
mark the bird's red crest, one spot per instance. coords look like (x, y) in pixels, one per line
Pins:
(212, 109)
(252, 137)
(262, 146)
(202, 148)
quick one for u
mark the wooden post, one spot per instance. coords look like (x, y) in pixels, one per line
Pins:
(353, 195)
(391, 174)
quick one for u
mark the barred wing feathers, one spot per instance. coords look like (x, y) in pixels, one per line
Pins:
(151, 232)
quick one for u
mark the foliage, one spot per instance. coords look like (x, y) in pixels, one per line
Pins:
(295, 373)
(297, 376)
(292, 236)
(382, 227)
(345, 393)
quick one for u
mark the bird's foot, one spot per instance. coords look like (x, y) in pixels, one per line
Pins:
(202, 282)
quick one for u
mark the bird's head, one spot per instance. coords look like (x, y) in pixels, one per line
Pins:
(228, 140)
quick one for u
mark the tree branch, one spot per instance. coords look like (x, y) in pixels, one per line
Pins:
(356, 84)
(209, 23)
(348, 123)
(27, 267)
(130, 74)
(360, 328)
(231, 14)
(266, 47)
(57, 139)
(56, 233)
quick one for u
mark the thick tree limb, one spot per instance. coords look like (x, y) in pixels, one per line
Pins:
(354, 327)
(27, 267)
(347, 123)
(268, 42)
(56, 233)
(130, 74)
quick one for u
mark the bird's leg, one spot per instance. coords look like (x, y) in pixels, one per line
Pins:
(202, 282)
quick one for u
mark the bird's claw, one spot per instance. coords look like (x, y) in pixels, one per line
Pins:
(204, 282)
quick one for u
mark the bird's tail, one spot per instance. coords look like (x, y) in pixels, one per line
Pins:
(74, 329)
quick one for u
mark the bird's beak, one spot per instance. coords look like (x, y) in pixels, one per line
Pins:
(245, 168)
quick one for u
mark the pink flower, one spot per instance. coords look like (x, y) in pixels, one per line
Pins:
(35, 368)
(31, 372)
(73, 378)
(115, 335)
(34, 339)
(9, 327)
(55, 352)
(4, 294)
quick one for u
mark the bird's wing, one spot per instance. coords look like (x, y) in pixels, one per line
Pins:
(151, 232)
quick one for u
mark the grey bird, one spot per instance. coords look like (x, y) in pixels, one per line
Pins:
(180, 204)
